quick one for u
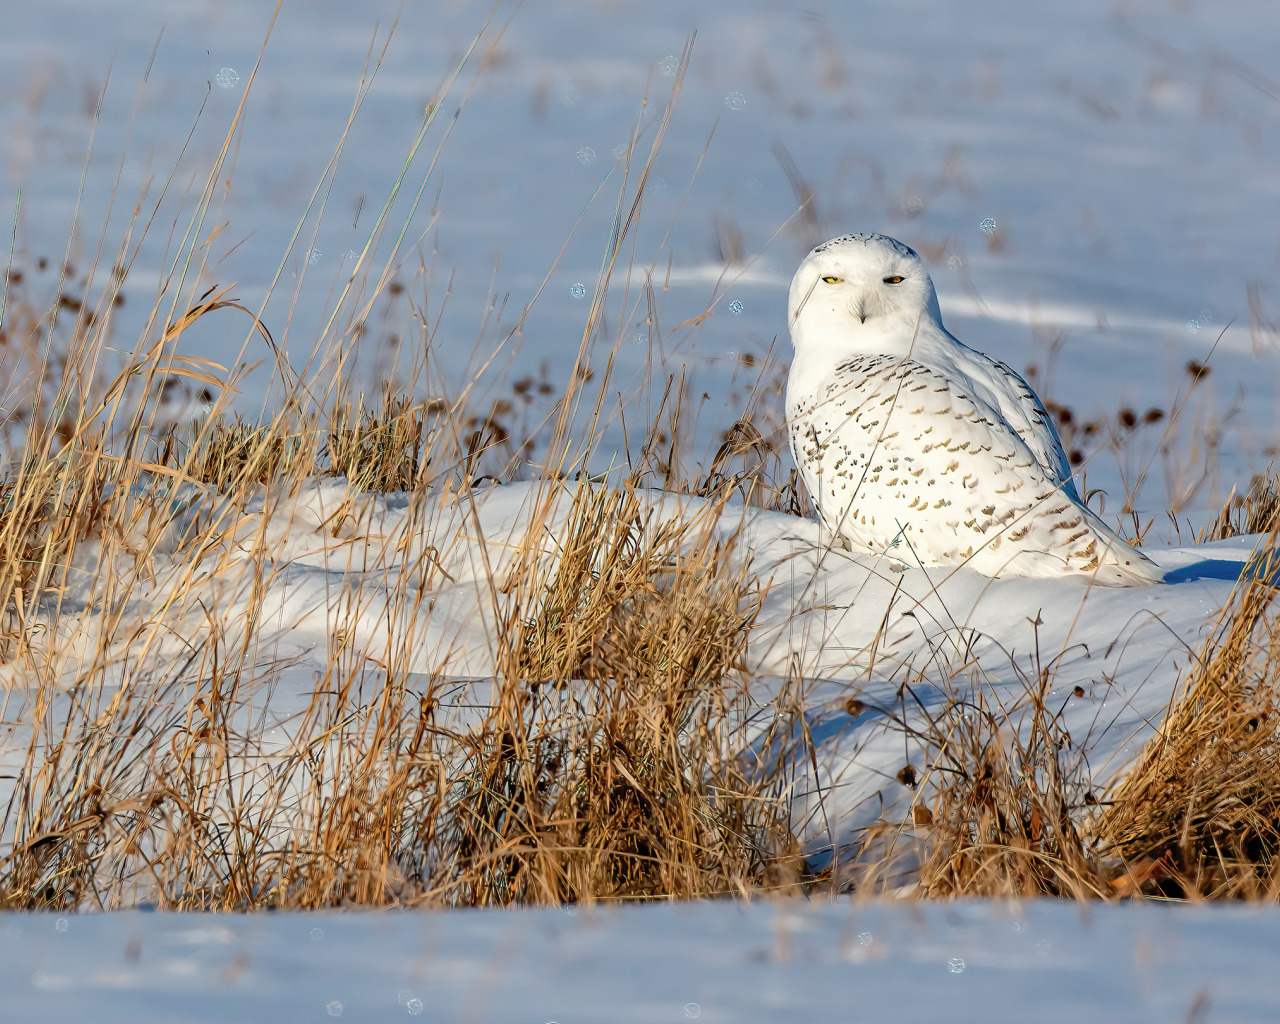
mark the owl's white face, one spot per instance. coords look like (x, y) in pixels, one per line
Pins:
(857, 288)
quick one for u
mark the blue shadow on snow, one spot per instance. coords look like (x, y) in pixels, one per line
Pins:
(1263, 565)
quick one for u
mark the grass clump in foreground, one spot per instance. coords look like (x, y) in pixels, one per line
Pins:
(607, 764)
(1197, 816)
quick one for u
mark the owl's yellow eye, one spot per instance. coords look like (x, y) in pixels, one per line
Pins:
(833, 280)
(895, 279)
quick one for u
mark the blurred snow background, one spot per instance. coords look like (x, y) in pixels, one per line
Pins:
(970, 961)
(1094, 183)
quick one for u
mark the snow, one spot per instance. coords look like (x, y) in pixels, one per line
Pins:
(838, 961)
(1127, 155)
(848, 625)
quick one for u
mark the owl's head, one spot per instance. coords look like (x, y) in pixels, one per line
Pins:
(861, 287)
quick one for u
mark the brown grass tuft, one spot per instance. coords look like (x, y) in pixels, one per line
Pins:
(240, 454)
(1199, 814)
(47, 509)
(1258, 511)
(380, 449)
(1005, 818)
(607, 764)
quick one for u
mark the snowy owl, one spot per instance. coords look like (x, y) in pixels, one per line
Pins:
(916, 446)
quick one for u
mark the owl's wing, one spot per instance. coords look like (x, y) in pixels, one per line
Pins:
(1003, 388)
(892, 437)
(890, 416)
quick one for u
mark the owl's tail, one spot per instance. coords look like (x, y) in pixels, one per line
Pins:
(1119, 564)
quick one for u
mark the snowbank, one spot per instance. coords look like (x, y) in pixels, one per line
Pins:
(338, 568)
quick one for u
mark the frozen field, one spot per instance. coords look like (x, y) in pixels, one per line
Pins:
(1095, 188)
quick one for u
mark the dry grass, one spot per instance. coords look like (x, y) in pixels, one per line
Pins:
(1256, 512)
(606, 755)
(1199, 814)
(1007, 816)
(236, 454)
(380, 449)
(47, 508)
(606, 765)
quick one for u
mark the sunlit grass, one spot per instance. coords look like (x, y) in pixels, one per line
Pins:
(609, 753)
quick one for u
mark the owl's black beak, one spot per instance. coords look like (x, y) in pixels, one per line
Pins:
(860, 311)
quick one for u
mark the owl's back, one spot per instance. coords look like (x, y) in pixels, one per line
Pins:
(921, 462)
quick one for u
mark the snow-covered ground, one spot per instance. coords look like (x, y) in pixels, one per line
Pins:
(849, 625)
(1095, 186)
(842, 961)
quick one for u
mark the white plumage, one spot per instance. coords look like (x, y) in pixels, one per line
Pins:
(914, 445)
